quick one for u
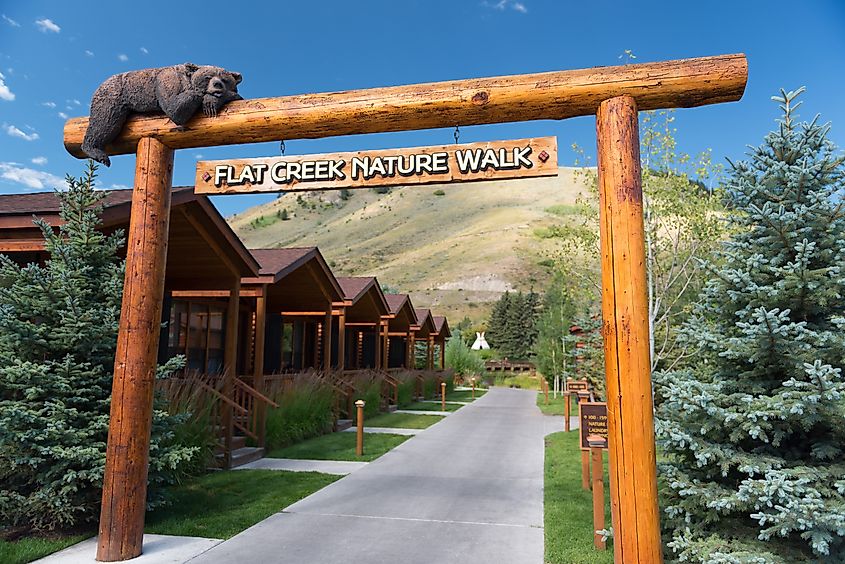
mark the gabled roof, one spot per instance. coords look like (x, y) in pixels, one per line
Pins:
(193, 219)
(402, 310)
(425, 325)
(441, 326)
(355, 287)
(306, 264)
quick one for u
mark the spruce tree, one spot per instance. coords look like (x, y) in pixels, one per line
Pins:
(753, 430)
(58, 332)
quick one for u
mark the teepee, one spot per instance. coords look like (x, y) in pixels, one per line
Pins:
(480, 342)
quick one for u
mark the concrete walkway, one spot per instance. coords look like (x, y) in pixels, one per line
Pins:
(337, 467)
(385, 430)
(423, 412)
(468, 489)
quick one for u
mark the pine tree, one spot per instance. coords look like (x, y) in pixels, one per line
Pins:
(497, 328)
(753, 429)
(58, 332)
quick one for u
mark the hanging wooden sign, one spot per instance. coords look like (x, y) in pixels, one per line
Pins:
(367, 169)
(593, 418)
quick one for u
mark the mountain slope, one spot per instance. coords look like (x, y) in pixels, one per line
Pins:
(455, 252)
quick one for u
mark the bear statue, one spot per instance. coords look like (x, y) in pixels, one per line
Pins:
(177, 91)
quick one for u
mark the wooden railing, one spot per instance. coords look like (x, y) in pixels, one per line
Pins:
(253, 404)
(509, 366)
(390, 389)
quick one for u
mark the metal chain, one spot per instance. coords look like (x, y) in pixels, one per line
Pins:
(282, 148)
(457, 134)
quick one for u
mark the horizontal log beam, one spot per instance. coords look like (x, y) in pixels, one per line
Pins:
(551, 95)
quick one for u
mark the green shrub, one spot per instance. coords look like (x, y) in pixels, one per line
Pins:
(464, 361)
(305, 410)
(439, 193)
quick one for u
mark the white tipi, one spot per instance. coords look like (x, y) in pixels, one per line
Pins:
(480, 342)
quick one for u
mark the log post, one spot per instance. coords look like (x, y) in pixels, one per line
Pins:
(409, 359)
(430, 353)
(127, 453)
(258, 363)
(585, 470)
(567, 410)
(598, 497)
(359, 423)
(327, 340)
(378, 358)
(341, 340)
(230, 367)
(385, 345)
(633, 473)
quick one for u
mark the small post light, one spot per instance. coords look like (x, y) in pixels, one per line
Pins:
(443, 396)
(359, 443)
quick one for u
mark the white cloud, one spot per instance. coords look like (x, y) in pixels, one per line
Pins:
(76, 102)
(145, 51)
(89, 53)
(49, 104)
(502, 5)
(63, 115)
(39, 161)
(118, 187)
(198, 156)
(47, 25)
(10, 21)
(29, 177)
(122, 57)
(15, 132)
(5, 93)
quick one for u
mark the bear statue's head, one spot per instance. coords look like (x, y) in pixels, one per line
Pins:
(219, 85)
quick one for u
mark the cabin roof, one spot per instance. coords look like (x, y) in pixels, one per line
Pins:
(356, 288)
(298, 277)
(197, 232)
(441, 326)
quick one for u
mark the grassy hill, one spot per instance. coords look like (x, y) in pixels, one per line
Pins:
(454, 247)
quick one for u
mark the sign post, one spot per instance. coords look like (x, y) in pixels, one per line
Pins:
(593, 439)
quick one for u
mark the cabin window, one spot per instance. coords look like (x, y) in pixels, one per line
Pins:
(197, 330)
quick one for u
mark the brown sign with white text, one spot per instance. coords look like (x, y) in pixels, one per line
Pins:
(577, 386)
(593, 418)
(367, 169)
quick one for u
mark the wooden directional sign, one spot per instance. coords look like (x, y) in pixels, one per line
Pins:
(366, 169)
(593, 418)
(577, 386)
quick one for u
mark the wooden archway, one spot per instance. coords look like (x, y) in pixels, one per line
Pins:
(613, 94)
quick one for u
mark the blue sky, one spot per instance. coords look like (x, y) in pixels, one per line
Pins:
(53, 55)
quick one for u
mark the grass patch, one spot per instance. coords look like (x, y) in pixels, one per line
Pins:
(217, 505)
(222, 504)
(557, 406)
(428, 406)
(28, 549)
(465, 395)
(403, 420)
(568, 510)
(563, 209)
(340, 446)
(517, 380)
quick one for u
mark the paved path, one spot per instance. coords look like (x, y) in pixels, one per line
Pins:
(422, 412)
(338, 467)
(385, 431)
(467, 490)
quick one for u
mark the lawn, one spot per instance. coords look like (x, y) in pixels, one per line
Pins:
(403, 420)
(569, 509)
(222, 504)
(556, 406)
(340, 446)
(217, 505)
(517, 380)
(464, 395)
(32, 548)
(429, 406)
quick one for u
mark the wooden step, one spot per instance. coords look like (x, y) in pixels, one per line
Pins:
(245, 455)
(343, 424)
